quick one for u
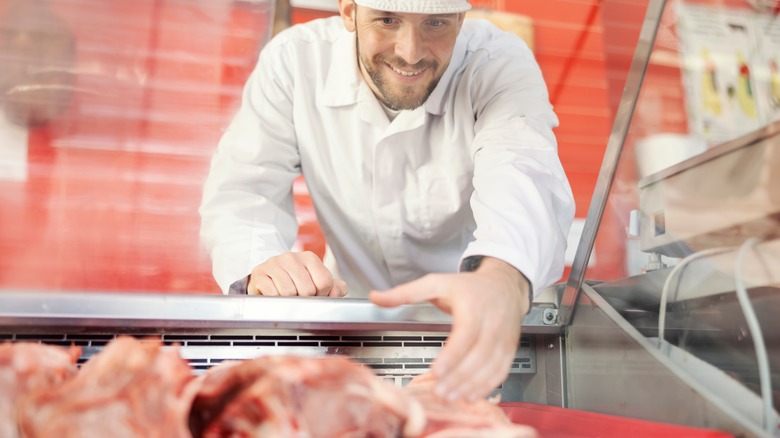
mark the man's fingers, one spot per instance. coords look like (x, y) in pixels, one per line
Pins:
(320, 276)
(418, 291)
(462, 339)
(302, 282)
(481, 368)
(283, 283)
(293, 274)
(339, 289)
(293, 266)
(261, 285)
(479, 372)
(487, 309)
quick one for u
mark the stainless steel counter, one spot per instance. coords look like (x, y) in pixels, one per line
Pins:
(166, 311)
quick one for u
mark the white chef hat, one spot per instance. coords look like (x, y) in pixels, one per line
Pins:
(417, 6)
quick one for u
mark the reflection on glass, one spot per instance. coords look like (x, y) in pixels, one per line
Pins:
(711, 79)
(110, 113)
(694, 210)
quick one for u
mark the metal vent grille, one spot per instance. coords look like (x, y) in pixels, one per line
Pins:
(396, 357)
(391, 356)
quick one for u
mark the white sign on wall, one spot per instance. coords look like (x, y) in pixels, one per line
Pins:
(768, 66)
(730, 59)
(718, 67)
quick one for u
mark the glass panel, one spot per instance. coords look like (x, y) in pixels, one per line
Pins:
(694, 210)
(110, 113)
(712, 79)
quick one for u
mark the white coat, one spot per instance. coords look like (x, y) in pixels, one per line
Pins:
(474, 171)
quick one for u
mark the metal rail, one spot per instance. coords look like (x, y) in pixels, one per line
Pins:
(170, 311)
(611, 157)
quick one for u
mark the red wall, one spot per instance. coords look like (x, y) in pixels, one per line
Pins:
(111, 197)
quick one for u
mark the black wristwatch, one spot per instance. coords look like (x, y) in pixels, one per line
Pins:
(471, 263)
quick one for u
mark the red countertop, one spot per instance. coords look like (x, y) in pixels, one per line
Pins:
(556, 422)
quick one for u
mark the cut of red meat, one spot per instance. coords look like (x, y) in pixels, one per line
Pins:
(130, 389)
(334, 397)
(291, 396)
(26, 368)
(138, 388)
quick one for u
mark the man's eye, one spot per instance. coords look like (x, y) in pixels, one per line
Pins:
(436, 23)
(387, 20)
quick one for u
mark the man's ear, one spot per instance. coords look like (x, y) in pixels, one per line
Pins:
(347, 11)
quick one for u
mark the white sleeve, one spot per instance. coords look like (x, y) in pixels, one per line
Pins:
(522, 201)
(247, 211)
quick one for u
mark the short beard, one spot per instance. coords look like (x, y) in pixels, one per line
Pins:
(404, 99)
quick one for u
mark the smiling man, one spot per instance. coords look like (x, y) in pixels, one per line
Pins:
(426, 142)
(402, 56)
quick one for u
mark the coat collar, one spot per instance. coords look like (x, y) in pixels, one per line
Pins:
(344, 80)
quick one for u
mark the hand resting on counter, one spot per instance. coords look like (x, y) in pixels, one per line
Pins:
(294, 274)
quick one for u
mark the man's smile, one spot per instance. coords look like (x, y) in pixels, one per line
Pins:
(405, 72)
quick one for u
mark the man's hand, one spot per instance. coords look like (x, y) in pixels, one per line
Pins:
(487, 308)
(294, 273)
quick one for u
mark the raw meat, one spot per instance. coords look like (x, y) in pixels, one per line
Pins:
(290, 396)
(477, 419)
(26, 368)
(334, 397)
(140, 389)
(130, 389)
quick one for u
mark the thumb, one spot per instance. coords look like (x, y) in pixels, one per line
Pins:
(414, 292)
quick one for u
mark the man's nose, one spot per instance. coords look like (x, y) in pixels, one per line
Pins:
(410, 45)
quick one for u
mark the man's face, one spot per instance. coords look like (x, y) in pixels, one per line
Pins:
(402, 56)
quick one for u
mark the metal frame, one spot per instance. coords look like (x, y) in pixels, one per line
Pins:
(173, 311)
(615, 369)
(759, 135)
(611, 158)
(169, 311)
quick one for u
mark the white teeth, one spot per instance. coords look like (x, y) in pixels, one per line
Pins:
(406, 73)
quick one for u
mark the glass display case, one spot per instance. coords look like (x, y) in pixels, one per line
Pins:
(690, 188)
(676, 326)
